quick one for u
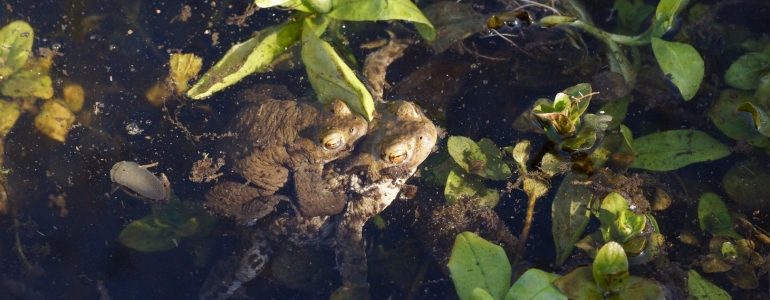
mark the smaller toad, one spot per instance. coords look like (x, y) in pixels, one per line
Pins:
(278, 138)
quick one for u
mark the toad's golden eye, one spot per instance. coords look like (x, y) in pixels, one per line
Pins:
(332, 141)
(397, 156)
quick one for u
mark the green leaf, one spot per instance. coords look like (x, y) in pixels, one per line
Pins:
(665, 13)
(535, 284)
(579, 97)
(28, 83)
(481, 294)
(15, 45)
(149, 235)
(732, 124)
(520, 154)
(610, 268)
(702, 289)
(673, 149)
(251, 56)
(616, 109)
(579, 284)
(455, 21)
(482, 158)
(331, 77)
(9, 113)
(682, 63)
(476, 263)
(759, 117)
(746, 72)
(746, 184)
(612, 207)
(632, 14)
(714, 217)
(640, 288)
(461, 185)
(382, 10)
(570, 215)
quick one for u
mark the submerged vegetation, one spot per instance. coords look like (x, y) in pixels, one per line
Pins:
(637, 130)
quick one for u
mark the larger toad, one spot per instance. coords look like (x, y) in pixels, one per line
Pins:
(278, 138)
(399, 139)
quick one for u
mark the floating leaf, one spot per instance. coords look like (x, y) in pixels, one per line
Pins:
(535, 284)
(570, 215)
(251, 56)
(382, 10)
(746, 183)
(476, 263)
(758, 115)
(714, 217)
(673, 149)
(15, 45)
(460, 185)
(746, 72)
(702, 289)
(610, 268)
(682, 63)
(331, 77)
(732, 124)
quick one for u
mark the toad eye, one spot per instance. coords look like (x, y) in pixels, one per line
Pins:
(395, 155)
(332, 141)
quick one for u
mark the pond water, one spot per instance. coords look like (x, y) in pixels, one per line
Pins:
(61, 221)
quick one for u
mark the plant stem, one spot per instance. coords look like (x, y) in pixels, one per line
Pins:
(525, 232)
(616, 55)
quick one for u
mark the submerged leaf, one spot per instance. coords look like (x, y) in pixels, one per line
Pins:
(476, 263)
(482, 158)
(251, 56)
(15, 45)
(382, 10)
(714, 217)
(682, 63)
(461, 185)
(148, 235)
(746, 183)
(570, 215)
(331, 77)
(9, 113)
(184, 66)
(579, 284)
(746, 72)
(702, 289)
(733, 124)
(673, 149)
(455, 21)
(758, 115)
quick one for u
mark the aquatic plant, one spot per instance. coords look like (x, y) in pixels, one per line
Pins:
(328, 73)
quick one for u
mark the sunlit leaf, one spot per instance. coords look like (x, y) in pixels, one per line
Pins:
(476, 263)
(482, 158)
(535, 284)
(15, 45)
(732, 124)
(681, 63)
(31, 80)
(481, 294)
(494, 168)
(745, 72)
(611, 208)
(610, 268)
(331, 77)
(569, 214)
(702, 289)
(184, 66)
(382, 10)
(251, 56)
(461, 185)
(673, 149)
(714, 217)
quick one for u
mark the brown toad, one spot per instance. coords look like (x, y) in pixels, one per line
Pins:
(399, 139)
(276, 138)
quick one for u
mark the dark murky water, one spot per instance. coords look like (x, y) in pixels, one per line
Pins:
(117, 50)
